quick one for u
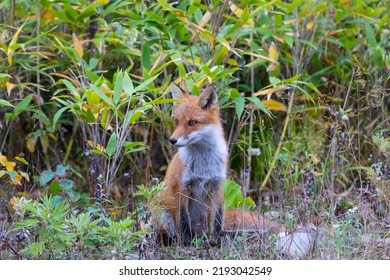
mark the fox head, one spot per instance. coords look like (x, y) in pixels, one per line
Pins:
(196, 117)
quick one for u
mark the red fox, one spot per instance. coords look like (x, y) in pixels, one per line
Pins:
(193, 198)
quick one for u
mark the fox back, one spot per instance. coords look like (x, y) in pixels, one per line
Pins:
(193, 196)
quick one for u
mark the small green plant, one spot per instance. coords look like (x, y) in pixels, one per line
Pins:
(58, 182)
(58, 231)
(45, 221)
(119, 236)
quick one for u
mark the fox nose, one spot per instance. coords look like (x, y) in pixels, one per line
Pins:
(173, 141)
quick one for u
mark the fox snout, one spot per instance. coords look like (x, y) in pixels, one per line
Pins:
(173, 141)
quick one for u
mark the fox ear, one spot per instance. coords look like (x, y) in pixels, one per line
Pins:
(177, 92)
(208, 98)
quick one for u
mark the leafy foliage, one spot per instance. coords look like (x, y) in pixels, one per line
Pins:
(85, 109)
(56, 234)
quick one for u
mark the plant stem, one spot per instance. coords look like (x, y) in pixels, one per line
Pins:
(272, 166)
(247, 173)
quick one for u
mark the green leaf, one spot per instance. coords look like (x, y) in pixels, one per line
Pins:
(22, 160)
(12, 175)
(58, 115)
(370, 36)
(258, 103)
(127, 84)
(45, 177)
(54, 188)
(146, 61)
(66, 184)
(161, 101)
(112, 145)
(93, 63)
(71, 87)
(144, 84)
(4, 103)
(98, 152)
(118, 87)
(102, 95)
(135, 116)
(22, 105)
(240, 105)
(234, 93)
(233, 197)
(129, 146)
(61, 170)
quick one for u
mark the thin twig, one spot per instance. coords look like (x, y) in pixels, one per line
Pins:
(247, 173)
(349, 88)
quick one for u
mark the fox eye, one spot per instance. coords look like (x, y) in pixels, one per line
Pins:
(191, 122)
(176, 122)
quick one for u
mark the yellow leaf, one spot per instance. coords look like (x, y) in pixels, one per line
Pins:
(77, 45)
(309, 25)
(274, 105)
(267, 92)
(3, 160)
(96, 146)
(44, 142)
(260, 56)
(2, 172)
(290, 21)
(18, 179)
(232, 62)
(281, 40)
(106, 90)
(13, 201)
(315, 159)
(238, 12)
(272, 67)
(9, 87)
(91, 107)
(30, 143)
(327, 59)
(271, 91)
(273, 52)
(49, 15)
(13, 42)
(10, 166)
(200, 82)
(25, 176)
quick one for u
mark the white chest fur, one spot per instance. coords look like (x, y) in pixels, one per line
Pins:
(205, 160)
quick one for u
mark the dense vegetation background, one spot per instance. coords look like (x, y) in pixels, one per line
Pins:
(85, 118)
